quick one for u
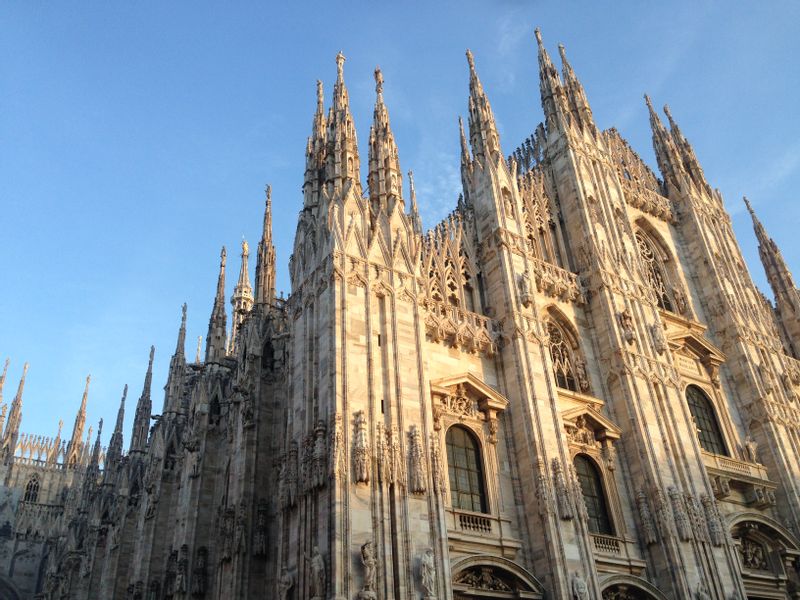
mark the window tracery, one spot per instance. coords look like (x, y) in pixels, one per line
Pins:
(654, 271)
(568, 368)
(32, 490)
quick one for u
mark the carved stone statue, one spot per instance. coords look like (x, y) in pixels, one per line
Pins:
(240, 530)
(648, 527)
(370, 562)
(701, 593)
(285, 584)
(338, 463)
(260, 535)
(361, 454)
(562, 493)
(580, 591)
(524, 284)
(626, 322)
(200, 573)
(417, 475)
(750, 449)
(319, 458)
(318, 576)
(183, 565)
(427, 572)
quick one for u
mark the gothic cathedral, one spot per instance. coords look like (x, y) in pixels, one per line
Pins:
(570, 389)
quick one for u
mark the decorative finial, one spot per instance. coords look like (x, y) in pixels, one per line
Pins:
(749, 207)
(470, 60)
(268, 191)
(319, 95)
(245, 248)
(150, 365)
(538, 33)
(340, 65)
(378, 81)
(60, 427)
(183, 315)
(99, 428)
(648, 102)
(199, 345)
(223, 253)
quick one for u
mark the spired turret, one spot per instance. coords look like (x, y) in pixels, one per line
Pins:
(787, 296)
(217, 337)
(114, 453)
(385, 179)
(11, 433)
(75, 446)
(242, 298)
(265, 259)
(483, 135)
(342, 166)
(144, 409)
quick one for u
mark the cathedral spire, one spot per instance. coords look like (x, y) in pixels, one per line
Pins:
(74, 448)
(666, 153)
(217, 325)
(688, 157)
(787, 296)
(114, 453)
(554, 100)
(316, 153)
(242, 299)
(342, 156)
(265, 259)
(177, 364)
(483, 135)
(576, 96)
(384, 178)
(466, 160)
(144, 408)
(14, 419)
(3, 381)
(416, 222)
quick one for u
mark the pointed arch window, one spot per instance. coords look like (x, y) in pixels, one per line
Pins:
(591, 483)
(561, 356)
(465, 470)
(705, 419)
(654, 270)
(32, 490)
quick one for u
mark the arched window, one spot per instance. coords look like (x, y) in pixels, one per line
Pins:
(465, 469)
(32, 490)
(561, 355)
(592, 489)
(654, 270)
(705, 419)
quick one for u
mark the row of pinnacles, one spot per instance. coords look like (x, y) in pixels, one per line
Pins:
(253, 480)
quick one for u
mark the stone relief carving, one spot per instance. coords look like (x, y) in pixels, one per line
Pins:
(482, 578)
(427, 573)
(562, 493)
(417, 473)
(682, 523)
(648, 527)
(580, 433)
(753, 555)
(361, 453)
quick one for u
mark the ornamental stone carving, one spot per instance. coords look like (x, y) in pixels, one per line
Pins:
(482, 578)
(361, 452)
(648, 527)
(753, 555)
(715, 530)
(200, 573)
(626, 322)
(417, 478)
(319, 579)
(260, 534)
(682, 523)
(562, 492)
(437, 470)
(319, 458)
(285, 584)
(369, 562)
(580, 591)
(338, 466)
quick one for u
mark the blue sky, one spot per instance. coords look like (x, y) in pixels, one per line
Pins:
(136, 138)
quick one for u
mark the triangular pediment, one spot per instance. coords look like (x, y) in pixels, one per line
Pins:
(694, 345)
(486, 395)
(596, 421)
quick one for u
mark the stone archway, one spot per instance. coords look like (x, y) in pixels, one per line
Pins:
(628, 587)
(492, 577)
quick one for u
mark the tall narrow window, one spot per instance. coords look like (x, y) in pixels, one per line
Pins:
(560, 354)
(592, 489)
(32, 490)
(654, 270)
(465, 470)
(705, 419)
